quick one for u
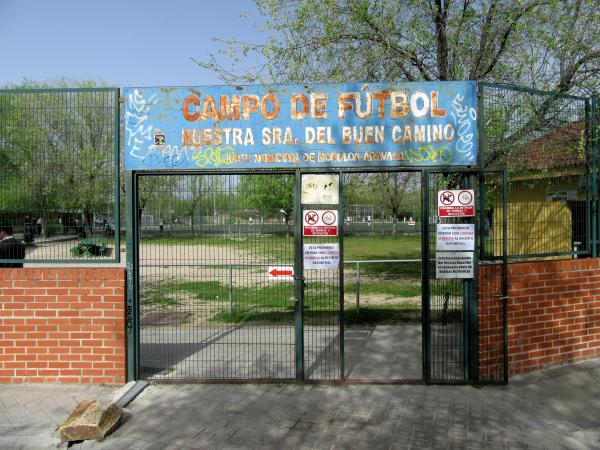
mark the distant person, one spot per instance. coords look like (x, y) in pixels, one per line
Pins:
(29, 230)
(10, 247)
(250, 220)
(161, 225)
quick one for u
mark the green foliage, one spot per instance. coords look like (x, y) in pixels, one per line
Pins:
(89, 247)
(548, 44)
(382, 247)
(57, 149)
(392, 288)
(271, 303)
(266, 193)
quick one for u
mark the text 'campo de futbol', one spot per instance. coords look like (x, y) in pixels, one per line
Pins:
(268, 107)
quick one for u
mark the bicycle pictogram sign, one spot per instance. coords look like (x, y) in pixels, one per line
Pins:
(329, 217)
(465, 198)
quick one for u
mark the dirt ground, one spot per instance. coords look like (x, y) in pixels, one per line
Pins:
(178, 263)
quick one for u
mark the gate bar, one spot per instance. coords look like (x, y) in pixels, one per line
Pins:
(425, 318)
(341, 221)
(471, 346)
(132, 310)
(505, 272)
(298, 279)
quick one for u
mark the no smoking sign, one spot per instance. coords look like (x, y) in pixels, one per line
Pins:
(320, 223)
(456, 203)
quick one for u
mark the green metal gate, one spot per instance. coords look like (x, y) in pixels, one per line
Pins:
(217, 286)
(445, 301)
(489, 347)
(208, 306)
(465, 319)
(222, 293)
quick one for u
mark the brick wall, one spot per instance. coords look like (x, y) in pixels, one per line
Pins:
(62, 325)
(491, 326)
(553, 313)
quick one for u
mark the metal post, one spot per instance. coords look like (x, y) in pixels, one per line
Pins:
(298, 280)
(132, 312)
(357, 288)
(425, 313)
(117, 192)
(471, 290)
(341, 271)
(230, 289)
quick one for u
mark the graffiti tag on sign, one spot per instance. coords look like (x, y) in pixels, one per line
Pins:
(320, 189)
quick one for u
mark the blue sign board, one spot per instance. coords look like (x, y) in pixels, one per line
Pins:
(307, 126)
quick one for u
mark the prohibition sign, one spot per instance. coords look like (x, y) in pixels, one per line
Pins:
(311, 217)
(447, 198)
(465, 198)
(328, 217)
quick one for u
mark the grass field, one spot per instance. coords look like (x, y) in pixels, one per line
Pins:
(272, 303)
(355, 247)
(387, 283)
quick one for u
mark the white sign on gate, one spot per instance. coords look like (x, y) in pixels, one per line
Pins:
(321, 256)
(454, 265)
(320, 189)
(455, 236)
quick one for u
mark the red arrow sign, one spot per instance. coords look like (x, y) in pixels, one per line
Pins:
(281, 273)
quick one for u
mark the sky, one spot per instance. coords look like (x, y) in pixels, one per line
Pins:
(120, 42)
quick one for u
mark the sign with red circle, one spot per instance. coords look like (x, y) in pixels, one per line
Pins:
(456, 203)
(320, 223)
(329, 217)
(446, 197)
(465, 197)
(311, 218)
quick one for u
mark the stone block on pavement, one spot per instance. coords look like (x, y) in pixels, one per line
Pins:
(91, 419)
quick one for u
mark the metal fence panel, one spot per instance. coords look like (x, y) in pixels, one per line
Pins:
(492, 284)
(543, 141)
(323, 310)
(446, 299)
(211, 306)
(60, 172)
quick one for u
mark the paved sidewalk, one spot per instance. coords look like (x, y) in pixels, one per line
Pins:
(555, 408)
(31, 413)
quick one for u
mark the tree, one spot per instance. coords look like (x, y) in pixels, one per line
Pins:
(551, 45)
(57, 149)
(547, 44)
(269, 194)
(393, 188)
